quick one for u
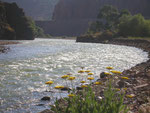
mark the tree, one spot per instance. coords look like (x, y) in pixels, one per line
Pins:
(109, 15)
(134, 26)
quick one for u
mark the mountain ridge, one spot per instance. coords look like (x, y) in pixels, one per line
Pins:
(37, 9)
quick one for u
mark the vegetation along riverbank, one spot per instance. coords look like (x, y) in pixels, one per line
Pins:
(133, 84)
(122, 28)
(114, 91)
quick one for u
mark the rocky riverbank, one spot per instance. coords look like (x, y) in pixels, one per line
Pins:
(3, 48)
(138, 84)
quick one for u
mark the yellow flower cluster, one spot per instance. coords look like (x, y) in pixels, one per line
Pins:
(59, 87)
(84, 86)
(130, 96)
(117, 89)
(116, 72)
(82, 82)
(90, 78)
(126, 78)
(65, 76)
(109, 68)
(71, 95)
(49, 82)
(71, 78)
(87, 71)
(107, 73)
(97, 83)
(90, 73)
(81, 71)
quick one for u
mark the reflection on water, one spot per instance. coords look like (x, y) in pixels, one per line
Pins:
(25, 69)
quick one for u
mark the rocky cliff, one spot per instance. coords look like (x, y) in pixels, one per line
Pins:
(37, 9)
(83, 9)
(13, 23)
(72, 17)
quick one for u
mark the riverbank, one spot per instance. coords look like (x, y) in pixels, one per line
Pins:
(138, 84)
(3, 48)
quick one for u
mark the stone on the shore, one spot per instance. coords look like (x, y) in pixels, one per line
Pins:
(145, 108)
(45, 98)
(103, 75)
(120, 84)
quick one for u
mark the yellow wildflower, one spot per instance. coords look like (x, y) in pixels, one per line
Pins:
(130, 96)
(116, 72)
(109, 68)
(125, 89)
(71, 78)
(82, 82)
(65, 76)
(90, 74)
(90, 78)
(84, 86)
(107, 73)
(125, 78)
(97, 83)
(117, 89)
(71, 95)
(49, 82)
(59, 87)
(81, 71)
(87, 71)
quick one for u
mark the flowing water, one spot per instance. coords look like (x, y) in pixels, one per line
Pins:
(25, 69)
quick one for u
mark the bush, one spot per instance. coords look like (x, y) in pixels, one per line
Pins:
(86, 102)
(134, 26)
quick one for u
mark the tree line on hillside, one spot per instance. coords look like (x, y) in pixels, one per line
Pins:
(115, 23)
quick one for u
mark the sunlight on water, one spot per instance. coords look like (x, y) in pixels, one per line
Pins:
(25, 69)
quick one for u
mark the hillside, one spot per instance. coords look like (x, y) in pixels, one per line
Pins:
(83, 9)
(37, 9)
(14, 25)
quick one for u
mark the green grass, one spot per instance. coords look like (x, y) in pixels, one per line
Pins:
(86, 102)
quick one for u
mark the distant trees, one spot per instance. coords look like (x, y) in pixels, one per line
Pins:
(109, 15)
(37, 31)
(134, 26)
(120, 23)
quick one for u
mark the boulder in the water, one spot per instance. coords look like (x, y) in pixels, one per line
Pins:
(45, 98)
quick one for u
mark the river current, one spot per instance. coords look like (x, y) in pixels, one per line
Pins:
(28, 65)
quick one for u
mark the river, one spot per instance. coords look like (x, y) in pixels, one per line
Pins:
(28, 65)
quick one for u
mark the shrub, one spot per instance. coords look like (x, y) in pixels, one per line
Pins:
(86, 102)
(134, 26)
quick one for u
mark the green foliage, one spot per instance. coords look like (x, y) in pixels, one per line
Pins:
(37, 31)
(124, 12)
(95, 27)
(120, 23)
(110, 15)
(86, 102)
(134, 26)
